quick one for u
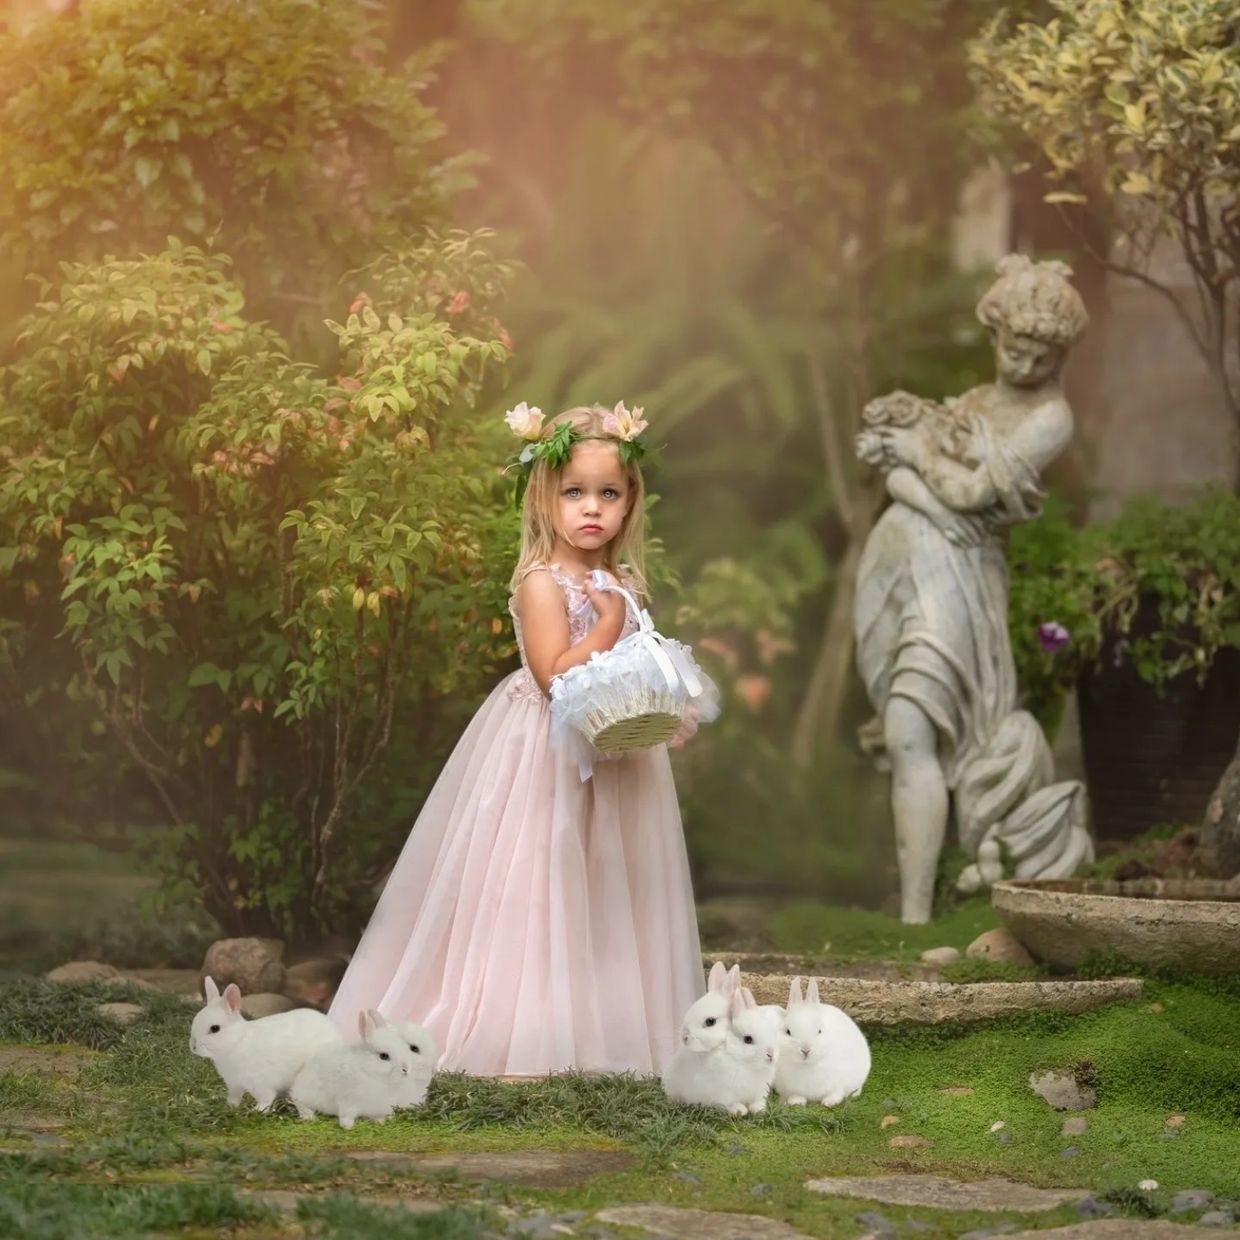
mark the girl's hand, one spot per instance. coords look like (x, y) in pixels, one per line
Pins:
(687, 730)
(608, 604)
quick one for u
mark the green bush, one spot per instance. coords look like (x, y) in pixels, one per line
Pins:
(1183, 561)
(272, 131)
(255, 574)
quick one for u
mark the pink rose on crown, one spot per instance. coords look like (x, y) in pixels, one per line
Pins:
(625, 423)
(526, 423)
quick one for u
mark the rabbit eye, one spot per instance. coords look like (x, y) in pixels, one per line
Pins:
(748, 1039)
(214, 1029)
(384, 1055)
(414, 1049)
(710, 1020)
(788, 1032)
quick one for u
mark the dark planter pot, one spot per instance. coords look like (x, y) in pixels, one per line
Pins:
(1153, 759)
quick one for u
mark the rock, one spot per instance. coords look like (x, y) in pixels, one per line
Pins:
(122, 1013)
(1157, 1007)
(314, 981)
(879, 1224)
(908, 1141)
(985, 1233)
(1119, 1229)
(957, 1091)
(1147, 1186)
(532, 1168)
(1091, 1207)
(1070, 1151)
(255, 965)
(998, 945)
(944, 1194)
(1062, 1091)
(684, 1224)
(940, 955)
(256, 1006)
(1175, 1121)
(1192, 1199)
(888, 1120)
(1217, 1218)
(83, 971)
(1074, 1126)
(20, 1060)
(997, 1125)
(898, 1002)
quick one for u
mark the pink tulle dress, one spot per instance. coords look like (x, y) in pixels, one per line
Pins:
(536, 922)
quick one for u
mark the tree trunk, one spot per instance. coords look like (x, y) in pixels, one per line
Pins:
(818, 720)
(1220, 833)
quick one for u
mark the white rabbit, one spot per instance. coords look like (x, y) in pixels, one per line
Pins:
(259, 1057)
(362, 1080)
(823, 1056)
(728, 1048)
(422, 1047)
(702, 1035)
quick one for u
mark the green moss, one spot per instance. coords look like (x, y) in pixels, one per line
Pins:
(854, 933)
(964, 971)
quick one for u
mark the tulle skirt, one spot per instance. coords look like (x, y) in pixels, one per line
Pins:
(536, 922)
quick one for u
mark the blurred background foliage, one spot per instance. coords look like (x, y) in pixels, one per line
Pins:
(737, 216)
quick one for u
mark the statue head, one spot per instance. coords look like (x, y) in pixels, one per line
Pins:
(1033, 315)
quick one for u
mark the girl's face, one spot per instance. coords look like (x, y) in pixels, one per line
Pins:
(1024, 361)
(594, 496)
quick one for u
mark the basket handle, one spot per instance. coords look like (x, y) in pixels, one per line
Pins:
(638, 614)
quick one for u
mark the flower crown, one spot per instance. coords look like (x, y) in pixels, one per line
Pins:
(623, 426)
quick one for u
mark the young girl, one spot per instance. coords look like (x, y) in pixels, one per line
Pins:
(537, 921)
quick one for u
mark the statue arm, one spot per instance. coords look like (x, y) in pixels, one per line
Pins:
(907, 487)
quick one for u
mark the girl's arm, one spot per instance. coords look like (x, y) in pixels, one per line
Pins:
(545, 632)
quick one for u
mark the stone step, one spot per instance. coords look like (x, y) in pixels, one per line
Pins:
(889, 1002)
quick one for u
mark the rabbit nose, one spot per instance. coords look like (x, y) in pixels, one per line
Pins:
(805, 1052)
(770, 1055)
(404, 1071)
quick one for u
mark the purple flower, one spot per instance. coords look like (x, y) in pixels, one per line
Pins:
(1053, 636)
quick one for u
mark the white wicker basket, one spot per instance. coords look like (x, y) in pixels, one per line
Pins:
(635, 695)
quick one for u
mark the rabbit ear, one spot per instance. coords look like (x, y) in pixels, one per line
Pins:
(812, 995)
(794, 992)
(747, 997)
(232, 997)
(210, 989)
(736, 1004)
(718, 976)
(364, 1024)
(376, 1016)
(734, 978)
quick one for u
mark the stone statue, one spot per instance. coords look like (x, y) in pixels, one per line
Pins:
(931, 609)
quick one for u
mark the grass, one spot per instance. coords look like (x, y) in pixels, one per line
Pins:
(150, 1131)
(862, 934)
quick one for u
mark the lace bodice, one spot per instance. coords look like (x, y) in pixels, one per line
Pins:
(581, 618)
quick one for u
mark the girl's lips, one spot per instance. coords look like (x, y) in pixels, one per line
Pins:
(591, 529)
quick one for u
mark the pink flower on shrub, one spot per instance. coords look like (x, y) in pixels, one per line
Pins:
(753, 690)
(1052, 636)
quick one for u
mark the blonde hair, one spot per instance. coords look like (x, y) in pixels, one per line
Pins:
(540, 516)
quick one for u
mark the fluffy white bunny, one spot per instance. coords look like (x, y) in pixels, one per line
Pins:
(259, 1057)
(362, 1080)
(422, 1047)
(728, 1046)
(823, 1056)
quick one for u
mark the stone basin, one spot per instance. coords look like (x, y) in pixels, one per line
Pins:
(1191, 924)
